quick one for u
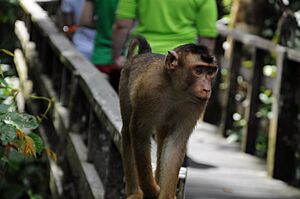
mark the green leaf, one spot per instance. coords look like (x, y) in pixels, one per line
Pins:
(4, 159)
(20, 120)
(7, 133)
(37, 141)
(33, 196)
(4, 108)
(3, 82)
(7, 52)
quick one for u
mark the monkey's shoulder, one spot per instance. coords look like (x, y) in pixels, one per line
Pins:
(148, 58)
(145, 64)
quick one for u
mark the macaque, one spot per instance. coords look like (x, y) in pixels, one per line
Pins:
(165, 96)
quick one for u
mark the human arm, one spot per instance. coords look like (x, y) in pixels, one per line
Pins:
(125, 15)
(121, 29)
(206, 24)
(87, 15)
(207, 41)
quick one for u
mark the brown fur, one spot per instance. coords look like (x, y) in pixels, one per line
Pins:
(166, 96)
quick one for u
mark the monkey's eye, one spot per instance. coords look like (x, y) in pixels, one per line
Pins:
(211, 70)
(199, 69)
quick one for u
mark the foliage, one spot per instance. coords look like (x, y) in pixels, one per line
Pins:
(264, 113)
(16, 129)
(7, 11)
(24, 177)
(20, 145)
(8, 15)
(281, 22)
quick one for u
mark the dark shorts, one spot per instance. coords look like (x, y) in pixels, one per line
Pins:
(113, 71)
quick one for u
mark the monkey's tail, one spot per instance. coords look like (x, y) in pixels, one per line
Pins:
(142, 43)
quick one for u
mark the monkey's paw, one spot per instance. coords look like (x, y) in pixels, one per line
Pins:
(153, 193)
(136, 196)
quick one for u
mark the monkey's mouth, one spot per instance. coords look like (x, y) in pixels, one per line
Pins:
(201, 98)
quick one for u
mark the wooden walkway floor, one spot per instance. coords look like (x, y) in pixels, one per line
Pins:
(218, 170)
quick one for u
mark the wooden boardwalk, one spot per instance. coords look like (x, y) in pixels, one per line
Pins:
(218, 170)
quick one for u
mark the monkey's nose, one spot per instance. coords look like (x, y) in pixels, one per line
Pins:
(206, 93)
(206, 90)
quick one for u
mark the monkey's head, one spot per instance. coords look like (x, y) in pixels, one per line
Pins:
(191, 69)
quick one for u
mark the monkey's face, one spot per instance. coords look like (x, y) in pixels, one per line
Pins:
(198, 76)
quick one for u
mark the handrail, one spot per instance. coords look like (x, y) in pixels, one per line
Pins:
(254, 40)
(285, 90)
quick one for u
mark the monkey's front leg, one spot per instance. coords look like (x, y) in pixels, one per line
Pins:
(140, 134)
(173, 152)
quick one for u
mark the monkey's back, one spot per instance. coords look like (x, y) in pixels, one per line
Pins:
(146, 67)
(141, 75)
(143, 62)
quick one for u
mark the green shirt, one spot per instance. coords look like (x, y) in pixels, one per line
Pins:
(105, 13)
(169, 23)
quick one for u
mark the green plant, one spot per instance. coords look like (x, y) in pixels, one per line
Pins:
(22, 163)
(17, 128)
(8, 15)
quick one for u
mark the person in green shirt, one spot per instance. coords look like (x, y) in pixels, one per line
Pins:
(165, 24)
(102, 52)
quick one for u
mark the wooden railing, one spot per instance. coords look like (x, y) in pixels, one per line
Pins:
(84, 124)
(285, 120)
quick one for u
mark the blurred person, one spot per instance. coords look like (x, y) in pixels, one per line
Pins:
(102, 53)
(165, 24)
(82, 36)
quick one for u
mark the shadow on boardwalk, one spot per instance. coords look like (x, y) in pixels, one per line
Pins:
(219, 170)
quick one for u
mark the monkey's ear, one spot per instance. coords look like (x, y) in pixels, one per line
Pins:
(172, 60)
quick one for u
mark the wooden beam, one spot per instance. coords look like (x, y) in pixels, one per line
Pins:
(281, 157)
(251, 130)
(235, 65)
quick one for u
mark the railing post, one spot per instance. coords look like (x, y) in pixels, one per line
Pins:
(235, 65)
(66, 86)
(214, 105)
(281, 157)
(56, 74)
(251, 130)
(78, 109)
(106, 158)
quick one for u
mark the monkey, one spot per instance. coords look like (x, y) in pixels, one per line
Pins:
(165, 96)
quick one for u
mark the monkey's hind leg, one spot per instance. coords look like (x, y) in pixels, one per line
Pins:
(132, 188)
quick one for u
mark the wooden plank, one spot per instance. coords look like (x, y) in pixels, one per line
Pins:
(22, 70)
(89, 182)
(219, 170)
(293, 55)
(22, 33)
(246, 39)
(38, 16)
(251, 130)
(32, 8)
